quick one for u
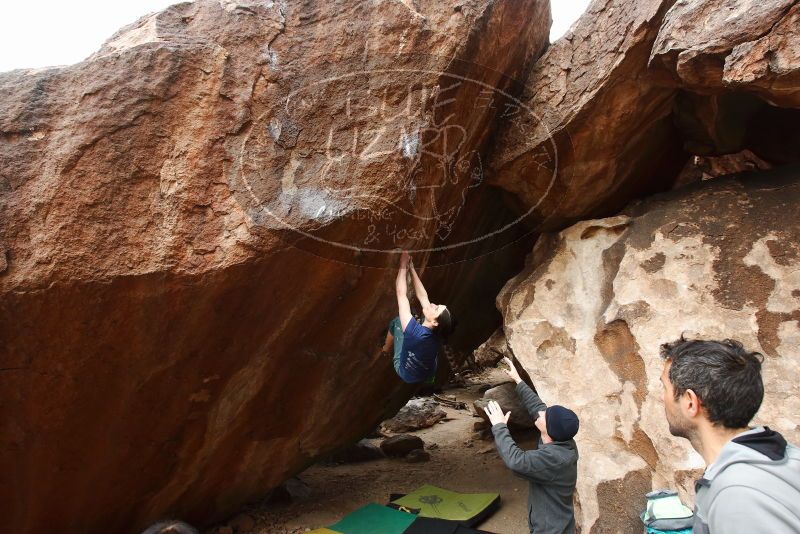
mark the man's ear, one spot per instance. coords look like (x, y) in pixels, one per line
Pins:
(691, 403)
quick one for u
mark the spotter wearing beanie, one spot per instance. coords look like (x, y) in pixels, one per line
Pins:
(562, 423)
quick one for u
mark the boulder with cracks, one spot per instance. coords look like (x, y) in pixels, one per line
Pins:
(742, 45)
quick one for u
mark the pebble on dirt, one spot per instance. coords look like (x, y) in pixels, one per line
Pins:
(401, 444)
(415, 415)
(506, 395)
(418, 456)
(480, 425)
(362, 451)
(242, 523)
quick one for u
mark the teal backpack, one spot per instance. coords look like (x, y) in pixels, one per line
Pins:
(666, 514)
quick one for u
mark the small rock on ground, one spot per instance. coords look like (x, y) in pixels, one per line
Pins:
(293, 490)
(415, 415)
(363, 451)
(480, 425)
(492, 350)
(417, 456)
(401, 444)
(506, 396)
(242, 523)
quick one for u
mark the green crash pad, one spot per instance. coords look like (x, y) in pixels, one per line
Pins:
(374, 519)
(466, 508)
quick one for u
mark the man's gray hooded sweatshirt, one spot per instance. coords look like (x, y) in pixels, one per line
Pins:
(753, 486)
(551, 470)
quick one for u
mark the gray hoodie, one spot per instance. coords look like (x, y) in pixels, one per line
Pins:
(753, 486)
(551, 470)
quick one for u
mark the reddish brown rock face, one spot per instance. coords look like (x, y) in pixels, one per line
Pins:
(770, 66)
(188, 313)
(733, 44)
(635, 88)
(736, 65)
(602, 132)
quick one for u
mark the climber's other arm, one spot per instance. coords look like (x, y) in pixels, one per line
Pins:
(401, 288)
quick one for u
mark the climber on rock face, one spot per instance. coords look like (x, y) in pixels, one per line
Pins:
(416, 345)
(552, 469)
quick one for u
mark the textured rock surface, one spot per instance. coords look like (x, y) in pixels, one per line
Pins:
(174, 335)
(737, 67)
(586, 318)
(737, 44)
(361, 451)
(704, 168)
(636, 87)
(401, 444)
(491, 351)
(602, 133)
(416, 414)
(418, 456)
(506, 396)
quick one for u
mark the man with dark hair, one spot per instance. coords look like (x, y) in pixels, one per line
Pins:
(552, 469)
(712, 390)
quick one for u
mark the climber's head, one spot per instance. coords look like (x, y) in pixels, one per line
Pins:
(440, 318)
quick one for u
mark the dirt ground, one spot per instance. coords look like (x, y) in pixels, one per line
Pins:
(460, 461)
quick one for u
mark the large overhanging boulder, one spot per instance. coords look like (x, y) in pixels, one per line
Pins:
(733, 44)
(716, 260)
(635, 87)
(737, 66)
(601, 133)
(176, 338)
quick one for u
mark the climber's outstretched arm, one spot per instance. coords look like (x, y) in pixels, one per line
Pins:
(419, 289)
(401, 287)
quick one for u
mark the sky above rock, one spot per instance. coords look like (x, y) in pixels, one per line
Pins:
(55, 32)
(565, 12)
